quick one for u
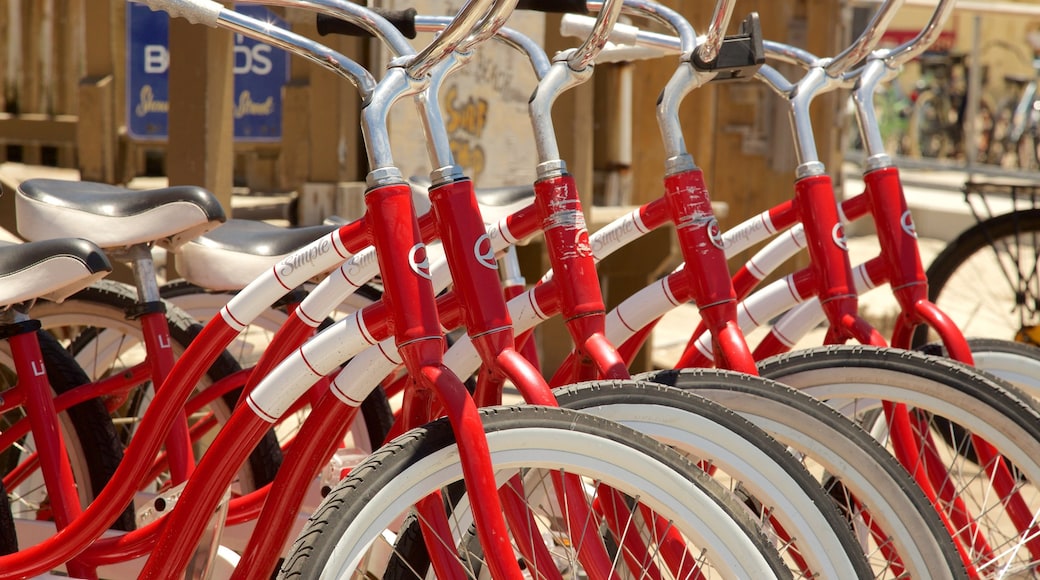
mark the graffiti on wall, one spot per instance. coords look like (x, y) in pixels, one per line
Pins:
(466, 119)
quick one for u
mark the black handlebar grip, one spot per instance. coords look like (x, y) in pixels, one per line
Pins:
(403, 20)
(558, 6)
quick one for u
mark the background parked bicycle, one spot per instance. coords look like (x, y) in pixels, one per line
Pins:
(938, 119)
(1015, 134)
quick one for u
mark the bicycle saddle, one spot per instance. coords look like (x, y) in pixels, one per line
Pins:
(51, 269)
(114, 217)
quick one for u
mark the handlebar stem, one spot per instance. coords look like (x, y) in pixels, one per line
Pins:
(871, 75)
(393, 87)
(438, 142)
(560, 77)
(683, 80)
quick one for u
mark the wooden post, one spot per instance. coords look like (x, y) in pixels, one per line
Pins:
(29, 94)
(96, 135)
(200, 127)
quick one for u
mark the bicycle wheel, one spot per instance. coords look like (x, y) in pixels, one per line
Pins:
(987, 280)
(994, 517)
(94, 327)
(780, 489)
(1028, 148)
(88, 434)
(355, 530)
(999, 149)
(929, 121)
(1014, 362)
(896, 524)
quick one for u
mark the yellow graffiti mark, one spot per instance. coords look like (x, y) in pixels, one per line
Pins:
(470, 157)
(469, 116)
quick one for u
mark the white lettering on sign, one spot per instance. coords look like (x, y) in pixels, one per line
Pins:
(149, 104)
(156, 59)
(255, 59)
(247, 106)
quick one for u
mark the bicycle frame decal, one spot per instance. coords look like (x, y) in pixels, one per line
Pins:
(838, 235)
(715, 233)
(485, 253)
(306, 257)
(906, 221)
(618, 232)
(418, 261)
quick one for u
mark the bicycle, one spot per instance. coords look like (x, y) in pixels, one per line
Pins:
(938, 123)
(53, 268)
(637, 313)
(304, 308)
(987, 278)
(536, 305)
(394, 204)
(1014, 138)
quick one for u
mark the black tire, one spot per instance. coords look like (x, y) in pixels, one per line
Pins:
(88, 433)
(1000, 151)
(1015, 362)
(930, 126)
(531, 440)
(111, 300)
(695, 425)
(987, 280)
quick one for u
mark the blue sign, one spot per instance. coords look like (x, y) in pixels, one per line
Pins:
(260, 73)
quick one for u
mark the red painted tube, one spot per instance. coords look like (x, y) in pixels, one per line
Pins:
(828, 248)
(470, 256)
(403, 263)
(201, 495)
(700, 241)
(72, 540)
(319, 436)
(567, 241)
